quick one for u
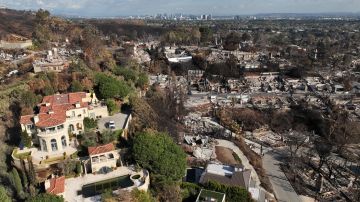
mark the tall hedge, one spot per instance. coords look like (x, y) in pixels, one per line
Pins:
(233, 193)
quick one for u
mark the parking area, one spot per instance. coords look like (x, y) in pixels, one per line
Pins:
(119, 120)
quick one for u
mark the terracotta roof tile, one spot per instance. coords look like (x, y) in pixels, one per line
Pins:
(26, 119)
(58, 105)
(57, 185)
(101, 149)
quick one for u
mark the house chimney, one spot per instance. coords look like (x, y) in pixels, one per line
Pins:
(36, 119)
(47, 184)
(50, 111)
(77, 104)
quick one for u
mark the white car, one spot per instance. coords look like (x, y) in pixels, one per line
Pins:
(111, 124)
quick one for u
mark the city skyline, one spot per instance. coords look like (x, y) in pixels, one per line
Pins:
(96, 8)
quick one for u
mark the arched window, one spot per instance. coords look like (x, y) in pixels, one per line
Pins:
(71, 128)
(63, 141)
(44, 146)
(54, 146)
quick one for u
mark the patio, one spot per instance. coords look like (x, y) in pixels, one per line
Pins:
(73, 186)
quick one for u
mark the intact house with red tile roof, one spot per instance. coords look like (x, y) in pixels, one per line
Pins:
(59, 116)
(103, 156)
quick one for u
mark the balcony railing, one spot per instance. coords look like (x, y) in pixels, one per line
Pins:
(50, 132)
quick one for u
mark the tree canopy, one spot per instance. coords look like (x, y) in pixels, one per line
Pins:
(110, 87)
(158, 153)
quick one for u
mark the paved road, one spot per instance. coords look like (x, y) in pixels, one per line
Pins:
(284, 192)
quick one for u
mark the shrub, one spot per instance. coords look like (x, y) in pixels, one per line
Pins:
(78, 168)
(3, 195)
(233, 193)
(112, 106)
(110, 136)
(141, 196)
(90, 123)
(45, 197)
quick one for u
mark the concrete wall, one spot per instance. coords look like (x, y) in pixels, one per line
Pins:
(55, 135)
(96, 166)
(98, 112)
(47, 68)
(15, 45)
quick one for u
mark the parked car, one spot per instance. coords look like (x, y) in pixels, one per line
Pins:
(111, 124)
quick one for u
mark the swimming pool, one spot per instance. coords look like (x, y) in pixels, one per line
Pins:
(97, 188)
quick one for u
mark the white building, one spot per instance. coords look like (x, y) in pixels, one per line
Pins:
(59, 116)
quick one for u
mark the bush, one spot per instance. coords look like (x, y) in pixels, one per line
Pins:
(127, 73)
(78, 168)
(3, 195)
(90, 123)
(110, 136)
(89, 139)
(189, 191)
(112, 106)
(45, 197)
(233, 193)
(142, 81)
(141, 196)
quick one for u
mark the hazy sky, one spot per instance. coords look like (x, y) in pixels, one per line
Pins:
(215, 7)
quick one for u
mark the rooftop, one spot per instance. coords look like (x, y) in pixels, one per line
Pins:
(53, 109)
(101, 149)
(229, 175)
(57, 185)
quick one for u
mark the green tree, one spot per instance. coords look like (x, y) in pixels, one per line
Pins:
(158, 153)
(110, 87)
(25, 139)
(16, 182)
(3, 195)
(76, 86)
(45, 197)
(246, 37)
(232, 41)
(206, 34)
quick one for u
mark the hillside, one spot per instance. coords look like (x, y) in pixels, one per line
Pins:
(16, 22)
